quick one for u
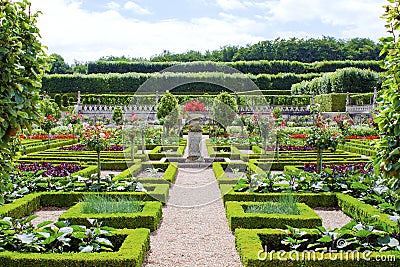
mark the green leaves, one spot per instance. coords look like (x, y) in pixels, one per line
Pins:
(22, 64)
(388, 115)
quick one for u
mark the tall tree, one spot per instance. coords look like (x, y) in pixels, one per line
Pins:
(388, 115)
(58, 65)
(22, 65)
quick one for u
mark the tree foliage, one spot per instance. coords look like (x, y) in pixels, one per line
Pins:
(388, 115)
(22, 64)
(166, 105)
(224, 109)
(58, 65)
(293, 49)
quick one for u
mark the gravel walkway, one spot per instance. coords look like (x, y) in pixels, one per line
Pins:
(194, 230)
(332, 218)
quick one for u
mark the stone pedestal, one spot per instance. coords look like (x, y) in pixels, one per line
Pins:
(194, 146)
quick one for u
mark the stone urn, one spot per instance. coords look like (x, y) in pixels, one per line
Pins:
(194, 143)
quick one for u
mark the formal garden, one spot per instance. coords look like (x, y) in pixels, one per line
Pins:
(252, 163)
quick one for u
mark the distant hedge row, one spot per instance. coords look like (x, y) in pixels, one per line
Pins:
(352, 80)
(117, 99)
(248, 67)
(130, 82)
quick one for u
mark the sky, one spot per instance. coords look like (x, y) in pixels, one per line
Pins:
(85, 30)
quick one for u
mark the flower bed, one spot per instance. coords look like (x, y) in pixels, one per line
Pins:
(47, 169)
(341, 169)
(80, 147)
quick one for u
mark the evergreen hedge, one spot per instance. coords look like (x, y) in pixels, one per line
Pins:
(251, 67)
(130, 82)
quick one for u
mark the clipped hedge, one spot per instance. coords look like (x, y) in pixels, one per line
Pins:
(250, 245)
(360, 210)
(238, 218)
(45, 146)
(160, 152)
(310, 199)
(347, 80)
(220, 167)
(130, 82)
(149, 217)
(132, 252)
(29, 203)
(331, 102)
(170, 168)
(253, 67)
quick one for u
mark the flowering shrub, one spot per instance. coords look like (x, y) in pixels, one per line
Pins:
(299, 136)
(322, 136)
(62, 170)
(47, 123)
(194, 105)
(96, 138)
(45, 136)
(72, 118)
(343, 122)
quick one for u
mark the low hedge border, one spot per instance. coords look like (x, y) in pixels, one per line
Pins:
(132, 252)
(280, 166)
(26, 205)
(355, 148)
(360, 210)
(38, 148)
(86, 172)
(171, 171)
(157, 154)
(348, 204)
(249, 244)
(238, 218)
(170, 168)
(149, 217)
(220, 175)
(234, 153)
(310, 199)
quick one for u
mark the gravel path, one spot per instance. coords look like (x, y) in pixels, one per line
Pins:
(332, 218)
(194, 230)
(47, 214)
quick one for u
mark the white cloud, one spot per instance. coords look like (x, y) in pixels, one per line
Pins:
(113, 5)
(81, 35)
(230, 4)
(136, 8)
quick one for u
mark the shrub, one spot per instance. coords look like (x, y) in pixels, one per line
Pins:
(331, 102)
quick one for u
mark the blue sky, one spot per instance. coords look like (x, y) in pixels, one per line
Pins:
(86, 30)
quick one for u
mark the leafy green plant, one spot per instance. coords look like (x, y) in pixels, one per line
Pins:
(387, 160)
(23, 64)
(110, 204)
(20, 235)
(286, 204)
(294, 237)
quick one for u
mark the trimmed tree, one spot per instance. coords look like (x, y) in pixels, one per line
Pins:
(168, 110)
(224, 110)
